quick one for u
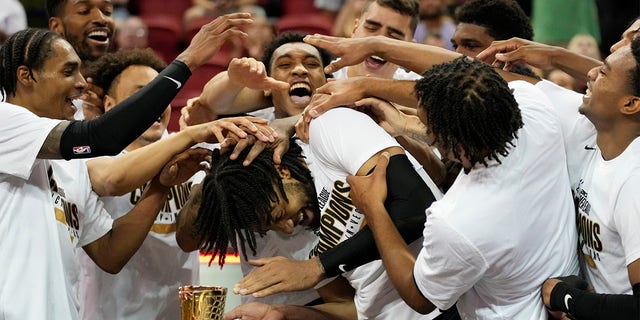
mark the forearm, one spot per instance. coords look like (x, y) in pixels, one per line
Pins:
(128, 172)
(396, 91)
(586, 305)
(325, 311)
(116, 129)
(113, 251)
(416, 57)
(398, 260)
(574, 64)
(223, 97)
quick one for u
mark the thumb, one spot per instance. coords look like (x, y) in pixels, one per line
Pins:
(334, 66)
(381, 165)
(276, 84)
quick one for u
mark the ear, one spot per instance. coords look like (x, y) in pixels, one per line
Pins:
(55, 25)
(109, 102)
(631, 105)
(23, 76)
(355, 25)
(283, 171)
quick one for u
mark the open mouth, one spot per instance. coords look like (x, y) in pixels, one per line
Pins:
(305, 217)
(375, 62)
(100, 36)
(300, 93)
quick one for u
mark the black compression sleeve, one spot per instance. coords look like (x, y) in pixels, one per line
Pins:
(407, 198)
(584, 305)
(116, 129)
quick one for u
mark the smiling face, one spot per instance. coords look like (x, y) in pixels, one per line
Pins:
(380, 21)
(87, 24)
(57, 84)
(132, 79)
(609, 89)
(300, 65)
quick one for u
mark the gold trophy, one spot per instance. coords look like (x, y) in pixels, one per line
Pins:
(202, 302)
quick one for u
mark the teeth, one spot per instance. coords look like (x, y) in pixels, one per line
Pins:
(98, 33)
(379, 59)
(300, 85)
(300, 217)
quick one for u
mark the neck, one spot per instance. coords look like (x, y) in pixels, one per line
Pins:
(616, 139)
(22, 101)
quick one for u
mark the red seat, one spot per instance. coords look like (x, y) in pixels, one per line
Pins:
(175, 8)
(298, 7)
(165, 36)
(307, 23)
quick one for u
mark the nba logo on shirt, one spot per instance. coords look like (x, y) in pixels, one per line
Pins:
(82, 150)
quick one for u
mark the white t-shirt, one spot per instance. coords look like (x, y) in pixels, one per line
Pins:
(609, 218)
(340, 142)
(81, 217)
(400, 74)
(147, 286)
(32, 281)
(501, 230)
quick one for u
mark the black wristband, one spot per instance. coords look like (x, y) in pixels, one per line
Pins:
(586, 305)
(408, 196)
(116, 129)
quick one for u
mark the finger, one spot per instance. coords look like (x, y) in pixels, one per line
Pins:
(255, 151)
(276, 84)
(302, 130)
(278, 152)
(381, 165)
(277, 288)
(239, 147)
(335, 66)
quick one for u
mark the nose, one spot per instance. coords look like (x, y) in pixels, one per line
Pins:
(81, 83)
(300, 69)
(98, 16)
(618, 45)
(591, 75)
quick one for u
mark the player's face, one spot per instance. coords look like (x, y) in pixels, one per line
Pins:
(627, 36)
(380, 21)
(88, 25)
(470, 39)
(58, 83)
(300, 65)
(300, 209)
(608, 88)
(132, 79)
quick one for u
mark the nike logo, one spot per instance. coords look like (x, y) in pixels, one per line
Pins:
(589, 148)
(567, 298)
(342, 267)
(175, 81)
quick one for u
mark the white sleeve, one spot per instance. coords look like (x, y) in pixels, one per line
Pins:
(626, 218)
(96, 221)
(22, 134)
(448, 265)
(345, 139)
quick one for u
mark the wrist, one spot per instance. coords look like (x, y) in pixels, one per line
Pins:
(320, 274)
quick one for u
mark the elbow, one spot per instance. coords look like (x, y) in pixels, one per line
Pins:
(114, 184)
(422, 307)
(186, 244)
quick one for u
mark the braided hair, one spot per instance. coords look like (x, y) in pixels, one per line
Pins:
(469, 107)
(237, 200)
(31, 48)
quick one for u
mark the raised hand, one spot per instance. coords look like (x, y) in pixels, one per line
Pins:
(183, 166)
(516, 50)
(195, 113)
(241, 126)
(251, 73)
(212, 36)
(350, 50)
(92, 103)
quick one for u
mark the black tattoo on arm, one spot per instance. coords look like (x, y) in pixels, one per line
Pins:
(51, 146)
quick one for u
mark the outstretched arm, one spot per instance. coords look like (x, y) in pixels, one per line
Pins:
(539, 55)
(111, 176)
(85, 139)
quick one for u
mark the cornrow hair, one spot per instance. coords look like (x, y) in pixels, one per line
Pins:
(289, 37)
(237, 200)
(634, 75)
(108, 67)
(31, 48)
(469, 106)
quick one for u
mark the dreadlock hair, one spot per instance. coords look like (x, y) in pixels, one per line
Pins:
(237, 200)
(469, 107)
(54, 7)
(107, 68)
(409, 8)
(289, 37)
(634, 73)
(503, 19)
(31, 48)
